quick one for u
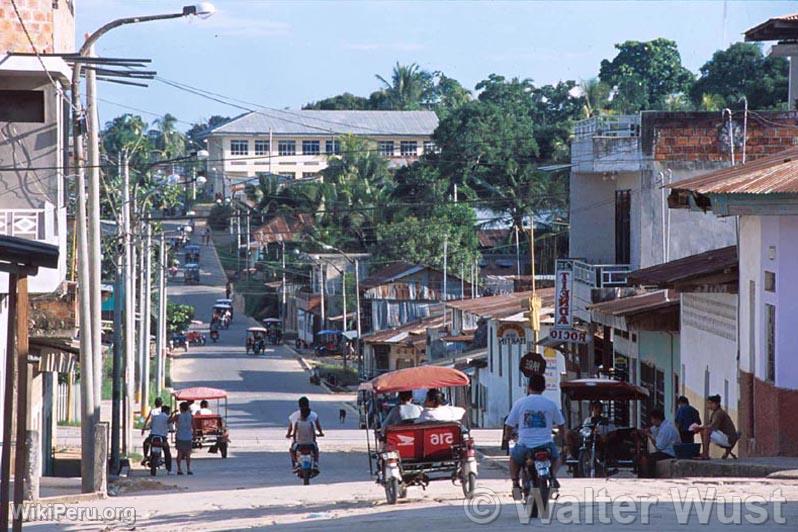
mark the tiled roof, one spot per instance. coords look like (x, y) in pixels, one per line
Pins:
(693, 267)
(783, 27)
(282, 228)
(315, 122)
(636, 304)
(769, 175)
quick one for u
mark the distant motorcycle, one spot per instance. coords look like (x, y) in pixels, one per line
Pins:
(214, 336)
(155, 458)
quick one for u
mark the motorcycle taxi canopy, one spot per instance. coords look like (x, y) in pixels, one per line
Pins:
(414, 378)
(602, 389)
(198, 393)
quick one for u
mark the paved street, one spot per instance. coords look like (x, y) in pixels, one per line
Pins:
(253, 487)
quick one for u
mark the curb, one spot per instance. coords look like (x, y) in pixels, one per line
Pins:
(306, 367)
(65, 499)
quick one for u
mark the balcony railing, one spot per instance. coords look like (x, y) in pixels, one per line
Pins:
(608, 126)
(22, 223)
(588, 277)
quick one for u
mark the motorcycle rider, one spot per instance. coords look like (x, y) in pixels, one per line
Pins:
(159, 426)
(309, 418)
(534, 417)
(155, 410)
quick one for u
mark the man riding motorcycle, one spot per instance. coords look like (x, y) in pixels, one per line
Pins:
(533, 417)
(158, 424)
(302, 427)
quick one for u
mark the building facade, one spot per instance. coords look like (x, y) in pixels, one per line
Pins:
(297, 144)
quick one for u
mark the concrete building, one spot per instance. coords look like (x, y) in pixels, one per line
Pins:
(763, 196)
(296, 144)
(34, 120)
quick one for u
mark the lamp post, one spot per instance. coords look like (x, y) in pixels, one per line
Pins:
(89, 248)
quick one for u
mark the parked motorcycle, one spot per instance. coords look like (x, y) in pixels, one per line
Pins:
(537, 482)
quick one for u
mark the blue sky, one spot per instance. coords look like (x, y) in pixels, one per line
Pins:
(284, 54)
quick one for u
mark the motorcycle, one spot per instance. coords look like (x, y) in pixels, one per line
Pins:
(196, 338)
(537, 482)
(155, 458)
(306, 466)
(214, 336)
(590, 464)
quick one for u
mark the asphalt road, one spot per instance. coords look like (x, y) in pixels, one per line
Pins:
(254, 488)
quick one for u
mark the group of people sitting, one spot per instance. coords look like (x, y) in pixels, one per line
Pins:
(159, 421)
(662, 436)
(434, 408)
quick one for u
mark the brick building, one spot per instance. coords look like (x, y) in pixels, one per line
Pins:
(50, 23)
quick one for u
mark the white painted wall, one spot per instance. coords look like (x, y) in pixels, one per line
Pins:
(709, 348)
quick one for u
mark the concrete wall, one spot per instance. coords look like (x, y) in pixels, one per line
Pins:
(709, 349)
(592, 217)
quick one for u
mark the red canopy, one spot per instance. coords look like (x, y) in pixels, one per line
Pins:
(414, 378)
(198, 393)
(602, 389)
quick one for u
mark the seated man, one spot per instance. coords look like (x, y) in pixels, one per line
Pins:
(720, 430)
(436, 409)
(404, 411)
(604, 430)
(663, 435)
(686, 417)
(203, 409)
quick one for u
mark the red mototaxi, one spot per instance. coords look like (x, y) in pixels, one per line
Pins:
(412, 452)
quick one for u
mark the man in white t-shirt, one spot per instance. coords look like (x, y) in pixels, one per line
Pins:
(534, 417)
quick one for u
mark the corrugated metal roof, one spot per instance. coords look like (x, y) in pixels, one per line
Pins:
(399, 334)
(692, 267)
(389, 273)
(502, 305)
(638, 303)
(769, 175)
(489, 238)
(315, 122)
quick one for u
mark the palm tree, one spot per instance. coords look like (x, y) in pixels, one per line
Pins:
(596, 95)
(170, 141)
(408, 88)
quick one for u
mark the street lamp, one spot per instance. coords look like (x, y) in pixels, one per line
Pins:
(89, 251)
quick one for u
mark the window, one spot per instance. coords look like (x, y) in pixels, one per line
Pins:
(239, 147)
(310, 147)
(770, 341)
(289, 175)
(332, 147)
(286, 147)
(770, 281)
(429, 146)
(385, 148)
(309, 175)
(409, 148)
(22, 106)
(261, 147)
(623, 226)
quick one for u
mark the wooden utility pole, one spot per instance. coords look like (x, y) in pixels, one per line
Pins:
(535, 303)
(8, 403)
(21, 458)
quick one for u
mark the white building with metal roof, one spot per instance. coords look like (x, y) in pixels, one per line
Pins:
(295, 144)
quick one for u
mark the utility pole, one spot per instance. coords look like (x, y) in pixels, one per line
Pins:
(321, 280)
(130, 304)
(535, 301)
(8, 403)
(248, 244)
(94, 239)
(87, 418)
(238, 240)
(116, 397)
(445, 272)
(23, 374)
(140, 284)
(357, 308)
(283, 287)
(159, 342)
(146, 321)
(517, 255)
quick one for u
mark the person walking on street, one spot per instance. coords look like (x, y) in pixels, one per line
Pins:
(183, 435)
(228, 289)
(206, 236)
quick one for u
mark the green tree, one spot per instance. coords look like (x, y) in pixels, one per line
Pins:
(644, 74)
(346, 102)
(595, 96)
(127, 132)
(178, 317)
(195, 135)
(421, 240)
(169, 140)
(409, 87)
(742, 70)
